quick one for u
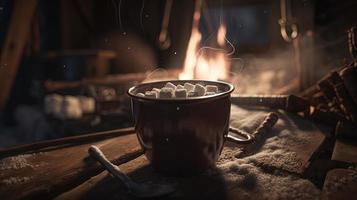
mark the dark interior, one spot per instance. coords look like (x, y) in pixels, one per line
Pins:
(66, 67)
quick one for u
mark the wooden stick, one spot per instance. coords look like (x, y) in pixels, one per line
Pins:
(268, 122)
(345, 101)
(349, 75)
(65, 141)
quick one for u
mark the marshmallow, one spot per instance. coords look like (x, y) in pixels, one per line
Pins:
(170, 85)
(180, 87)
(210, 93)
(156, 90)
(140, 94)
(53, 104)
(71, 108)
(180, 93)
(151, 94)
(189, 87)
(192, 94)
(200, 89)
(166, 92)
(211, 88)
(87, 104)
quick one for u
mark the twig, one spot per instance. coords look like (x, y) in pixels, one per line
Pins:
(65, 141)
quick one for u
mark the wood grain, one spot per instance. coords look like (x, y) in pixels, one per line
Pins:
(103, 186)
(66, 141)
(52, 172)
(94, 187)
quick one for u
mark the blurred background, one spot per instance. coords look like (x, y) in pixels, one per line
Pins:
(66, 65)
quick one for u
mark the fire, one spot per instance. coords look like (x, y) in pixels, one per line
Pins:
(221, 35)
(205, 63)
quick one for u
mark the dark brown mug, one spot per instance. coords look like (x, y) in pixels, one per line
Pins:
(182, 136)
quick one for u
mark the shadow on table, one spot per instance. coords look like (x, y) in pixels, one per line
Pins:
(209, 185)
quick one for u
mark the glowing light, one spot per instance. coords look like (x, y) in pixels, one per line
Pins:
(205, 63)
(221, 35)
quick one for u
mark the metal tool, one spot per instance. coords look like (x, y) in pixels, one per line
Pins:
(141, 190)
(290, 103)
(289, 31)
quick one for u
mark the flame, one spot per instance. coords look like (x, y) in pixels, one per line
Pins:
(205, 63)
(195, 39)
(221, 35)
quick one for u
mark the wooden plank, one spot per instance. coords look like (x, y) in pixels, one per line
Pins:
(82, 52)
(340, 184)
(87, 190)
(52, 86)
(51, 172)
(14, 45)
(345, 151)
(66, 141)
(103, 186)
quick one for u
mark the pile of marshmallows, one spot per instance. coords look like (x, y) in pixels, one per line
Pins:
(180, 91)
(68, 107)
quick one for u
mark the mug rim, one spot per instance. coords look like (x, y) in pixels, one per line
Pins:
(130, 92)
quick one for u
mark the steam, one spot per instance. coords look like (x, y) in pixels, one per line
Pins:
(156, 74)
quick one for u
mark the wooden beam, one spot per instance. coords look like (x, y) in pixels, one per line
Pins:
(14, 45)
(52, 86)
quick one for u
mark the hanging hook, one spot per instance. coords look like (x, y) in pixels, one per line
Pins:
(164, 40)
(289, 31)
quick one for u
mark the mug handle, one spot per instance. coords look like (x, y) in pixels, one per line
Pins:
(244, 138)
(141, 141)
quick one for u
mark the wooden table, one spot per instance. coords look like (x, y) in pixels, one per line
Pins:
(274, 169)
